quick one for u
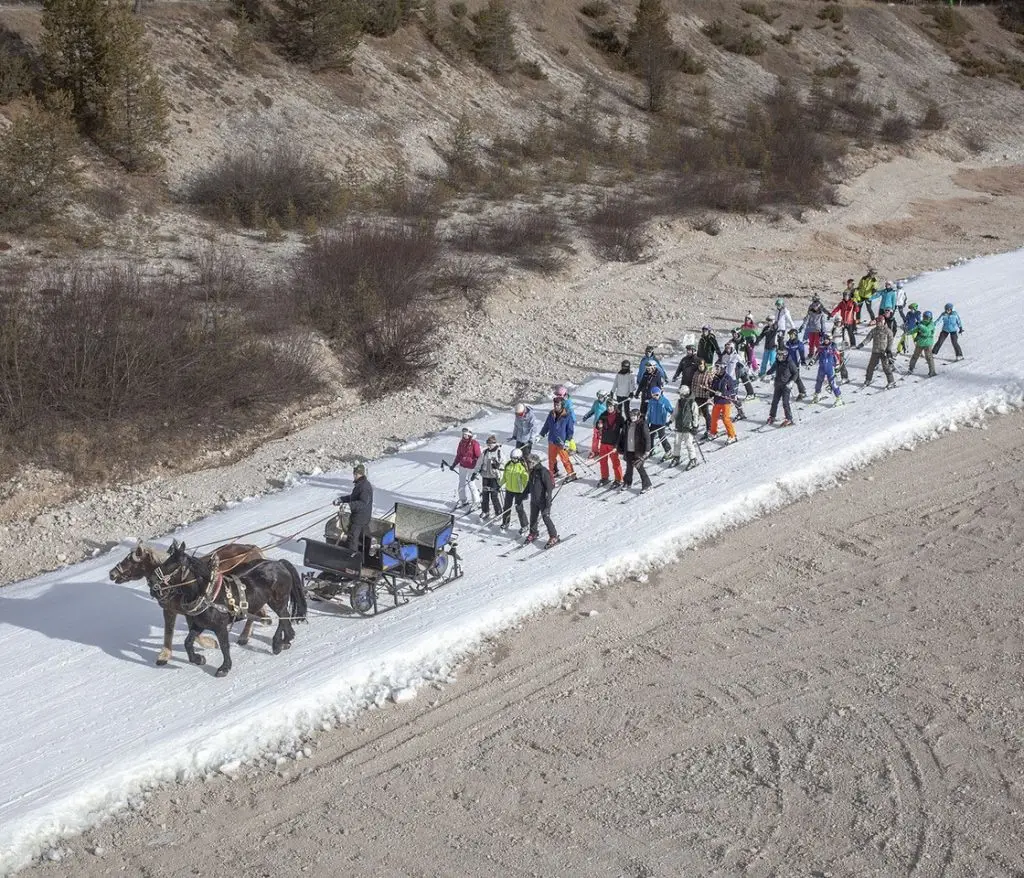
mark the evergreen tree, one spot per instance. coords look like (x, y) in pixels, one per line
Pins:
(494, 45)
(650, 51)
(95, 50)
(321, 33)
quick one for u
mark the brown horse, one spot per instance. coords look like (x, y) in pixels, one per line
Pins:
(213, 600)
(140, 563)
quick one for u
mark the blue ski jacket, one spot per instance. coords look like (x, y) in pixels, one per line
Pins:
(558, 428)
(660, 369)
(949, 321)
(796, 351)
(596, 410)
(828, 359)
(658, 411)
(911, 320)
(887, 295)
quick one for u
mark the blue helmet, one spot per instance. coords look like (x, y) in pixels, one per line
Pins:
(655, 391)
(927, 315)
(949, 306)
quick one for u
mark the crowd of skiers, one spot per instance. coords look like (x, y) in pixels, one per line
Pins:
(709, 375)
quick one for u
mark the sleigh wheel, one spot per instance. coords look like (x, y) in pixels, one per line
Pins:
(363, 598)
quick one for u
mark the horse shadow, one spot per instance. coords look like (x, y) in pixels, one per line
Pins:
(95, 613)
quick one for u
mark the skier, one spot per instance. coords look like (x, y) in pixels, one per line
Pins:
(770, 335)
(743, 375)
(558, 429)
(910, 321)
(890, 320)
(795, 352)
(702, 394)
(687, 367)
(782, 318)
(707, 346)
(610, 426)
(886, 297)
(901, 300)
(881, 338)
(686, 422)
(466, 457)
(488, 467)
(651, 378)
(828, 359)
(864, 294)
(815, 325)
(360, 507)
(514, 479)
(649, 357)
(523, 428)
(924, 337)
(837, 343)
(599, 407)
(951, 326)
(541, 488)
(635, 445)
(725, 395)
(623, 388)
(658, 411)
(847, 311)
(786, 371)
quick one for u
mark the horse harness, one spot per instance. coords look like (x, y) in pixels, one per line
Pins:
(233, 588)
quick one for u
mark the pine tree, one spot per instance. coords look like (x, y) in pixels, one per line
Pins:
(321, 33)
(650, 51)
(95, 50)
(494, 45)
(134, 112)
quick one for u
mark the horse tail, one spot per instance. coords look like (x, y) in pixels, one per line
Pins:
(298, 593)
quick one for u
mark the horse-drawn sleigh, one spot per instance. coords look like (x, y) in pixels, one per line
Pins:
(410, 550)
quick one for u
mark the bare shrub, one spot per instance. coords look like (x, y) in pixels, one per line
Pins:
(948, 25)
(92, 362)
(535, 240)
(832, 12)
(282, 184)
(842, 108)
(896, 129)
(15, 77)
(531, 70)
(842, 68)
(595, 8)
(607, 40)
(617, 228)
(108, 201)
(733, 39)
(469, 277)
(367, 288)
(933, 119)
(759, 10)
(975, 140)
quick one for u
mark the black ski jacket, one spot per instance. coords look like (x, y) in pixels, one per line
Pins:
(541, 487)
(708, 349)
(360, 501)
(686, 369)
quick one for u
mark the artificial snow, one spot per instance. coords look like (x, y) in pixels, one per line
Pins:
(89, 722)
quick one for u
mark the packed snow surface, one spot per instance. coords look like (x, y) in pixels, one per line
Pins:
(89, 722)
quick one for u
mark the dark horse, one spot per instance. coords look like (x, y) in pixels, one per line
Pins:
(212, 601)
(142, 561)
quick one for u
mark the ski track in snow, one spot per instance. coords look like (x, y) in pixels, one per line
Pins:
(90, 722)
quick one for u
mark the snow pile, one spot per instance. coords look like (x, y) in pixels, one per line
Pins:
(90, 723)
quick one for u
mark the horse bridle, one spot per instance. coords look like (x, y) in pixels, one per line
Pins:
(164, 585)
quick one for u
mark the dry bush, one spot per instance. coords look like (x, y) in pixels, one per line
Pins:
(842, 68)
(108, 202)
(606, 40)
(842, 108)
(948, 25)
(535, 240)
(469, 277)
(617, 228)
(896, 129)
(1011, 17)
(832, 12)
(595, 8)
(733, 39)
(94, 354)
(934, 119)
(759, 10)
(368, 289)
(283, 184)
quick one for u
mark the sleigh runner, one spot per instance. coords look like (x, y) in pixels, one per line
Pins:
(410, 550)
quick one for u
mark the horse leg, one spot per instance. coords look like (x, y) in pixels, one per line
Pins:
(225, 649)
(243, 638)
(190, 640)
(170, 617)
(279, 641)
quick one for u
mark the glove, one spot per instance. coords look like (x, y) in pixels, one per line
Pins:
(860, 346)
(337, 502)
(571, 445)
(472, 478)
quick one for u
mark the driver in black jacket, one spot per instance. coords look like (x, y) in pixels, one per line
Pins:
(360, 504)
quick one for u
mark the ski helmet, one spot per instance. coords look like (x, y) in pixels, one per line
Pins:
(492, 439)
(691, 348)
(684, 390)
(561, 392)
(359, 470)
(705, 328)
(517, 454)
(624, 364)
(793, 332)
(649, 350)
(949, 306)
(466, 433)
(913, 306)
(927, 315)
(520, 410)
(826, 339)
(888, 285)
(779, 303)
(602, 396)
(815, 298)
(728, 347)
(655, 391)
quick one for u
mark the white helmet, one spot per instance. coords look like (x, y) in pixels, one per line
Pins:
(684, 390)
(520, 409)
(517, 454)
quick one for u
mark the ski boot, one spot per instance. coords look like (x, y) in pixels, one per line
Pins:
(530, 538)
(552, 541)
(602, 482)
(692, 463)
(786, 423)
(815, 397)
(770, 421)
